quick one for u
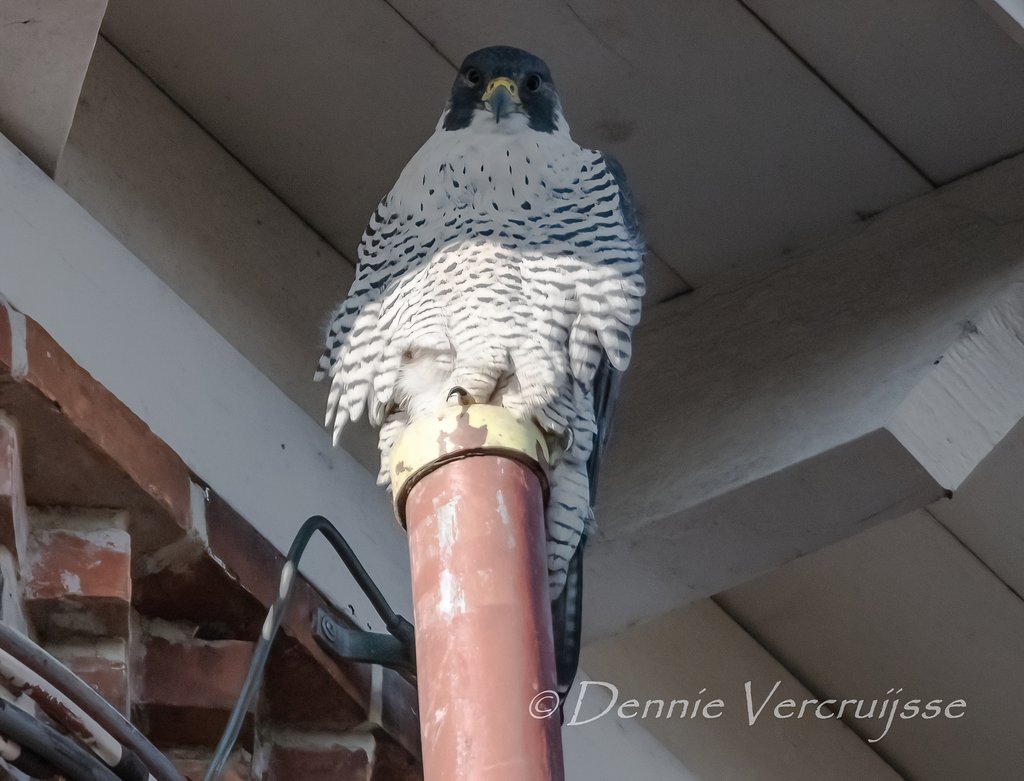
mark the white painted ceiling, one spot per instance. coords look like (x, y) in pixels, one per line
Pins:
(907, 607)
(751, 131)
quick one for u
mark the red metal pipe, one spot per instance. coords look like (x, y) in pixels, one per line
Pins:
(484, 649)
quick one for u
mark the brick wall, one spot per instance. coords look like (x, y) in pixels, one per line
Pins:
(133, 572)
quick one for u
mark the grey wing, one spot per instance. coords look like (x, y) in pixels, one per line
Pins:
(356, 357)
(373, 273)
(607, 379)
(567, 609)
(627, 204)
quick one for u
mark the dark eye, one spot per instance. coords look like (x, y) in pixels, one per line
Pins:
(533, 82)
(472, 75)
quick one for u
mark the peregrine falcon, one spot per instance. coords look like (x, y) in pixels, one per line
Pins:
(504, 267)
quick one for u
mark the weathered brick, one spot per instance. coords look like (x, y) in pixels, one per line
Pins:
(193, 764)
(193, 673)
(298, 691)
(113, 428)
(79, 582)
(103, 665)
(80, 445)
(323, 759)
(184, 689)
(182, 582)
(173, 725)
(391, 762)
(250, 557)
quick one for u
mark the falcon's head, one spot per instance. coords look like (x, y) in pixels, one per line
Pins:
(507, 87)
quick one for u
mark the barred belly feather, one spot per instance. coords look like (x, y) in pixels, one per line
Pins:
(506, 264)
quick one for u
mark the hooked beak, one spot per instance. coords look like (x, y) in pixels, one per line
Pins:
(501, 97)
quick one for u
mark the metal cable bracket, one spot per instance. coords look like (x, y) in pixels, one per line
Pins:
(393, 649)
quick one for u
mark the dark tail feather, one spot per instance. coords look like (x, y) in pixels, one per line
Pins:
(567, 616)
(567, 610)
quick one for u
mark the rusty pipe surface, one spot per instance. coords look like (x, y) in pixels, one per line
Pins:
(484, 647)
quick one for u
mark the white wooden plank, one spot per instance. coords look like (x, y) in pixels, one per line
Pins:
(700, 653)
(758, 421)
(636, 572)
(972, 398)
(1008, 14)
(985, 511)
(173, 196)
(903, 606)
(937, 77)
(610, 750)
(737, 381)
(325, 102)
(45, 46)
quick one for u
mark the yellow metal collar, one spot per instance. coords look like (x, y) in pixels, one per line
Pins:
(463, 432)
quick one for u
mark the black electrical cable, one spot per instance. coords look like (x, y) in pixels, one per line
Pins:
(395, 624)
(73, 761)
(79, 692)
(30, 763)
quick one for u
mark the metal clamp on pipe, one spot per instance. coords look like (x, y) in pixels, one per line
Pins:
(463, 432)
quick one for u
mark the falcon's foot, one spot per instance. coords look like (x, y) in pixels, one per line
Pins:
(462, 394)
